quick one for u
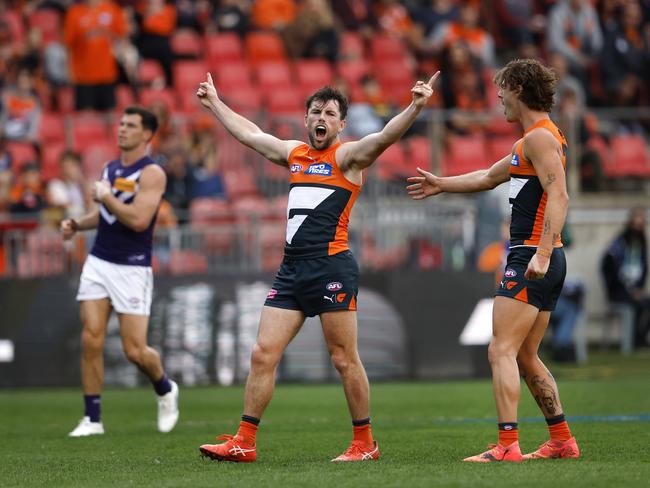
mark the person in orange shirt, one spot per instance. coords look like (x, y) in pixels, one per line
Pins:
(20, 111)
(536, 266)
(156, 20)
(273, 14)
(91, 30)
(318, 275)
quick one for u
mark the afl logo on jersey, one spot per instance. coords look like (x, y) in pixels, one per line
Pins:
(296, 168)
(334, 286)
(510, 273)
(515, 160)
(321, 169)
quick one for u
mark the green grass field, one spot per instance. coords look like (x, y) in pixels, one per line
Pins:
(423, 429)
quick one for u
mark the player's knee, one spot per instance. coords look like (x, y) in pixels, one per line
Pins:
(91, 342)
(263, 357)
(341, 359)
(498, 350)
(526, 361)
(134, 354)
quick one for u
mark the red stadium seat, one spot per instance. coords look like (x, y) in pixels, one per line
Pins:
(264, 46)
(353, 71)
(239, 183)
(51, 128)
(188, 75)
(352, 47)
(16, 27)
(464, 154)
(387, 48)
(419, 152)
(207, 210)
(65, 100)
(187, 262)
(242, 99)
(166, 96)
(51, 154)
(21, 154)
(396, 80)
(125, 97)
(313, 74)
(498, 148)
(48, 22)
(222, 49)
(95, 157)
(393, 163)
(187, 44)
(236, 73)
(283, 100)
(273, 74)
(87, 128)
(629, 156)
(149, 70)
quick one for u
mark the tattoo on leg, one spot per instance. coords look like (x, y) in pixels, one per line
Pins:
(545, 394)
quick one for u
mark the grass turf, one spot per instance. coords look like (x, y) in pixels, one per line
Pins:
(423, 429)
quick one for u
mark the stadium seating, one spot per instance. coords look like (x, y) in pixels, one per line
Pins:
(240, 185)
(353, 71)
(464, 154)
(629, 156)
(273, 74)
(187, 44)
(213, 219)
(283, 100)
(13, 20)
(95, 157)
(385, 47)
(21, 154)
(166, 96)
(48, 22)
(313, 74)
(87, 128)
(497, 148)
(393, 164)
(234, 74)
(50, 156)
(188, 75)
(149, 70)
(124, 97)
(419, 152)
(223, 49)
(187, 262)
(51, 128)
(264, 46)
(351, 47)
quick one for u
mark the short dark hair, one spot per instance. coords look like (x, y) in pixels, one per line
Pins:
(149, 120)
(326, 94)
(537, 82)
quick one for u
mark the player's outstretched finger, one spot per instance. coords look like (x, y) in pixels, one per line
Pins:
(210, 79)
(433, 79)
(423, 173)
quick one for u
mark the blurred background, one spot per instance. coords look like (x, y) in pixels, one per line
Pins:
(68, 69)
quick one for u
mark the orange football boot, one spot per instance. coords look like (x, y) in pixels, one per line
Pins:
(359, 451)
(497, 452)
(556, 450)
(235, 449)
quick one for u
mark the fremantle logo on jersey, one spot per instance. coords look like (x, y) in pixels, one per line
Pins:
(320, 169)
(515, 160)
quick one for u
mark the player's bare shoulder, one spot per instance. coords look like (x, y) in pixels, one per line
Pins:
(153, 176)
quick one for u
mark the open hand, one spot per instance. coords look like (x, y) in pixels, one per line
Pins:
(422, 91)
(100, 189)
(207, 93)
(423, 186)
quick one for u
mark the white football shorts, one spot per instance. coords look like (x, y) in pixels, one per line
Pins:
(129, 288)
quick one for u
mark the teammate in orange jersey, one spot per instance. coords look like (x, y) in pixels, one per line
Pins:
(318, 275)
(536, 265)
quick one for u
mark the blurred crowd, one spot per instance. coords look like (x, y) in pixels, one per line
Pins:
(67, 69)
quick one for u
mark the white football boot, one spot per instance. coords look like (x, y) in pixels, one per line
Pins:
(86, 428)
(168, 409)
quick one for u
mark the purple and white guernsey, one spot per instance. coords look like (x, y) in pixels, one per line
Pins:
(115, 242)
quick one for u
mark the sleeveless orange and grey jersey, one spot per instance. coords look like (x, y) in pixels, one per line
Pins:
(320, 202)
(527, 196)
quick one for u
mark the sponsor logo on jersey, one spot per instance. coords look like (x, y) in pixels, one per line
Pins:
(515, 160)
(122, 184)
(510, 273)
(296, 168)
(320, 169)
(271, 294)
(334, 286)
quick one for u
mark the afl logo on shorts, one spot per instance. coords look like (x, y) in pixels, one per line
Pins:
(320, 169)
(515, 160)
(271, 294)
(510, 273)
(334, 286)
(296, 168)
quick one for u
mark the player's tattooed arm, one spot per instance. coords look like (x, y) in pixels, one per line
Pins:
(550, 178)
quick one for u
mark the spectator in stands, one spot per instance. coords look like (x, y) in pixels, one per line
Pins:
(273, 14)
(91, 30)
(20, 110)
(625, 268)
(367, 115)
(156, 20)
(519, 21)
(434, 13)
(232, 16)
(462, 88)
(179, 183)
(70, 191)
(8, 51)
(355, 15)
(467, 29)
(193, 14)
(5, 156)
(625, 58)
(393, 18)
(27, 194)
(574, 32)
(206, 177)
(312, 33)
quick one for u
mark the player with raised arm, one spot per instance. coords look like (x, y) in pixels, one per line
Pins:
(536, 266)
(117, 274)
(318, 275)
